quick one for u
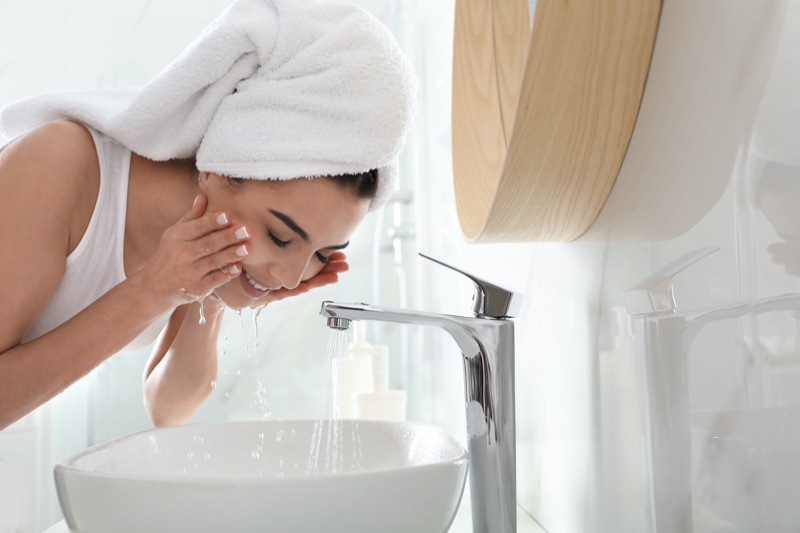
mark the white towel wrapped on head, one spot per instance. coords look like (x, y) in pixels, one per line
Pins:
(272, 89)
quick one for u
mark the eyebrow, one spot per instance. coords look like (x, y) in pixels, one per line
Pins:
(286, 219)
(295, 227)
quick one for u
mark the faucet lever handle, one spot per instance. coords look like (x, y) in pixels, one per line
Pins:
(654, 295)
(489, 300)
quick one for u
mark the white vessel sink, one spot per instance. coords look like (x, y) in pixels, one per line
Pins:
(252, 476)
(748, 467)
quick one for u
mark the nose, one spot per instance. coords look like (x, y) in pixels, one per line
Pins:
(289, 272)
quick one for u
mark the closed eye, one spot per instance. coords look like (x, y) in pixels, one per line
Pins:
(279, 243)
(322, 259)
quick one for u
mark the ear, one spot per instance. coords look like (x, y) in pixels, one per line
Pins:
(203, 180)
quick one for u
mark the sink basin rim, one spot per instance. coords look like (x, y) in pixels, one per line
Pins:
(67, 464)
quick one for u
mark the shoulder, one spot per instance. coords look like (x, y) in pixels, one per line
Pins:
(61, 143)
(53, 171)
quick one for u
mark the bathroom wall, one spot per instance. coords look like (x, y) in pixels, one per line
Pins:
(582, 461)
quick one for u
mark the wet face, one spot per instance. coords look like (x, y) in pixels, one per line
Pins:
(294, 225)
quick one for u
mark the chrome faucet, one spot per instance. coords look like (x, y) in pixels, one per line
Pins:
(486, 341)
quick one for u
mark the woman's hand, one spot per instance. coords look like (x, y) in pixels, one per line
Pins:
(337, 263)
(196, 255)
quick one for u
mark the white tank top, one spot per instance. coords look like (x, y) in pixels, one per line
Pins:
(96, 264)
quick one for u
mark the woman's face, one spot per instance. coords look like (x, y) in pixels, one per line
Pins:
(294, 226)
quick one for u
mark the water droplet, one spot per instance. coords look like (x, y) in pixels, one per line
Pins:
(254, 454)
(202, 314)
(189, 456)
(208, 456)
(213, 384)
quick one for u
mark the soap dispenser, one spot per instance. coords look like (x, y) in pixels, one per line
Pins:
(368, 395)
(380, 403)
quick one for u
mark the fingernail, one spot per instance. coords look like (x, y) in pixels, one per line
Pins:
(242, 233)
(233, 269)
(222, 219)
(241, 251)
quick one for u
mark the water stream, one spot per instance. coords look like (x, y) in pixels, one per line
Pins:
(335, 446)
(329, 417)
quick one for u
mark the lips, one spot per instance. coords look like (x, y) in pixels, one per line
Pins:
(252, 287)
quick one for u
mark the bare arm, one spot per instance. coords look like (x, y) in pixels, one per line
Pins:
(183, 363)
(42, 179)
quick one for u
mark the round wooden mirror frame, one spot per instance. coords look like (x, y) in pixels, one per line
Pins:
(542, 118)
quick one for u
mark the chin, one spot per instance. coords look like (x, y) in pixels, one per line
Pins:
(231, 299)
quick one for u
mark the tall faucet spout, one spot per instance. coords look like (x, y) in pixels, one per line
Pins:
(487, 347)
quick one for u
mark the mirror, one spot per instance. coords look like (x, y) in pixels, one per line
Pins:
(542, 114)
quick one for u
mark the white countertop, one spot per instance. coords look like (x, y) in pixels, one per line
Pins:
(463, 520)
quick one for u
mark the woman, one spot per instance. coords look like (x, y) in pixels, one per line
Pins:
(233, 179)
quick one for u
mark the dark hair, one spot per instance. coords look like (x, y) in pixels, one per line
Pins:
(363, 185)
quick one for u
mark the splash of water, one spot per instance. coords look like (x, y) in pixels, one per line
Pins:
(256, 314)
(260, 394)
(197, 298)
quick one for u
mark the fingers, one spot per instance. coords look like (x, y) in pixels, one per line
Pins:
(221, 276)
(198, 208)
(197, 223)
(227, 260)
(234, 237)
(335, 267)
(196, 228)
(202, 251)
(320, 280)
